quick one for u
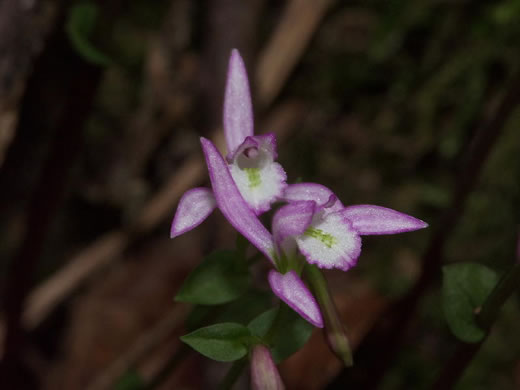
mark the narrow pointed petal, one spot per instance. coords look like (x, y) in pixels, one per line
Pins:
(231, 203)
(292, 220)
(330, 242)
(323, 196)
(291, 289)
(260, 180)
(369, 219)
(238, 110)
(194, 207)
(264, 374)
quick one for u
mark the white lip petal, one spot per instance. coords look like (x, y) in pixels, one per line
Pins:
(330, 242)
(260, 180)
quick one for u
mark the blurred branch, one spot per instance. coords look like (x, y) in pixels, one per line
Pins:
(109, 247)
(299, 23)
(456, 365)
(388, 336)
(24, 26)
(74, 74)
(142, 348)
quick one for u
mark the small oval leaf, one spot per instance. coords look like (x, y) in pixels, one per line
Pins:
(288, 338)
(222, 277)
(465, 288)
(224, 342)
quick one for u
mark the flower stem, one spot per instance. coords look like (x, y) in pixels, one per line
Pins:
(503, 290)
(334, 329)
(232, 375)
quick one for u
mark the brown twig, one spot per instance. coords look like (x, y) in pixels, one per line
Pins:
(109, 247)
(52, 182)
(299, 23)
(144, 346)
(24, 27)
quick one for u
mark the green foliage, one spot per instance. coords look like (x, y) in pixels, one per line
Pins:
(242, 310)
(79, 27)
(289, 336)
(465, 288)
(131, 380)
(225, 342)
(222, 277)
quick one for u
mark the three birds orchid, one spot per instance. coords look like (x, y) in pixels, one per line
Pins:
(312, 223)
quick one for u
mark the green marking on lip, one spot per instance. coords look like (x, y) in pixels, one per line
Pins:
(253, 175)
(328, 239)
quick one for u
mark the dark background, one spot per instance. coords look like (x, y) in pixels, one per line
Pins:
(407, 104)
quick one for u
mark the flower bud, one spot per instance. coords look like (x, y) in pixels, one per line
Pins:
(334, 329)
(264, 374)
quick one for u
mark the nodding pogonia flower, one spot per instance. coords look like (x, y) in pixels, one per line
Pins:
(314, 221)
(327, 233)
(251, 159)
(264, 374)
(288, 286)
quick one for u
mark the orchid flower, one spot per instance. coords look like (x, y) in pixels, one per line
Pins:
(327, 233)
(251, 159)
(313, 222)
(287, 286)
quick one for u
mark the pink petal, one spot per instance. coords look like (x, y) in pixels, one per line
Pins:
(291, 289)
(369, 219)
(231, 203)
(238, 110)
(292, 219)
(264, 374)
(194, 207)
(312, 191)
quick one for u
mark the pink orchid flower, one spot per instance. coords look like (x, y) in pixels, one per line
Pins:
(314, 222)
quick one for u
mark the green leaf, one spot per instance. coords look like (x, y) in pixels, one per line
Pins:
(220, 278)
(131, 380)
(80, 24)
(241, 310)
(224, 342)
(465, 288)
(291, 334)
